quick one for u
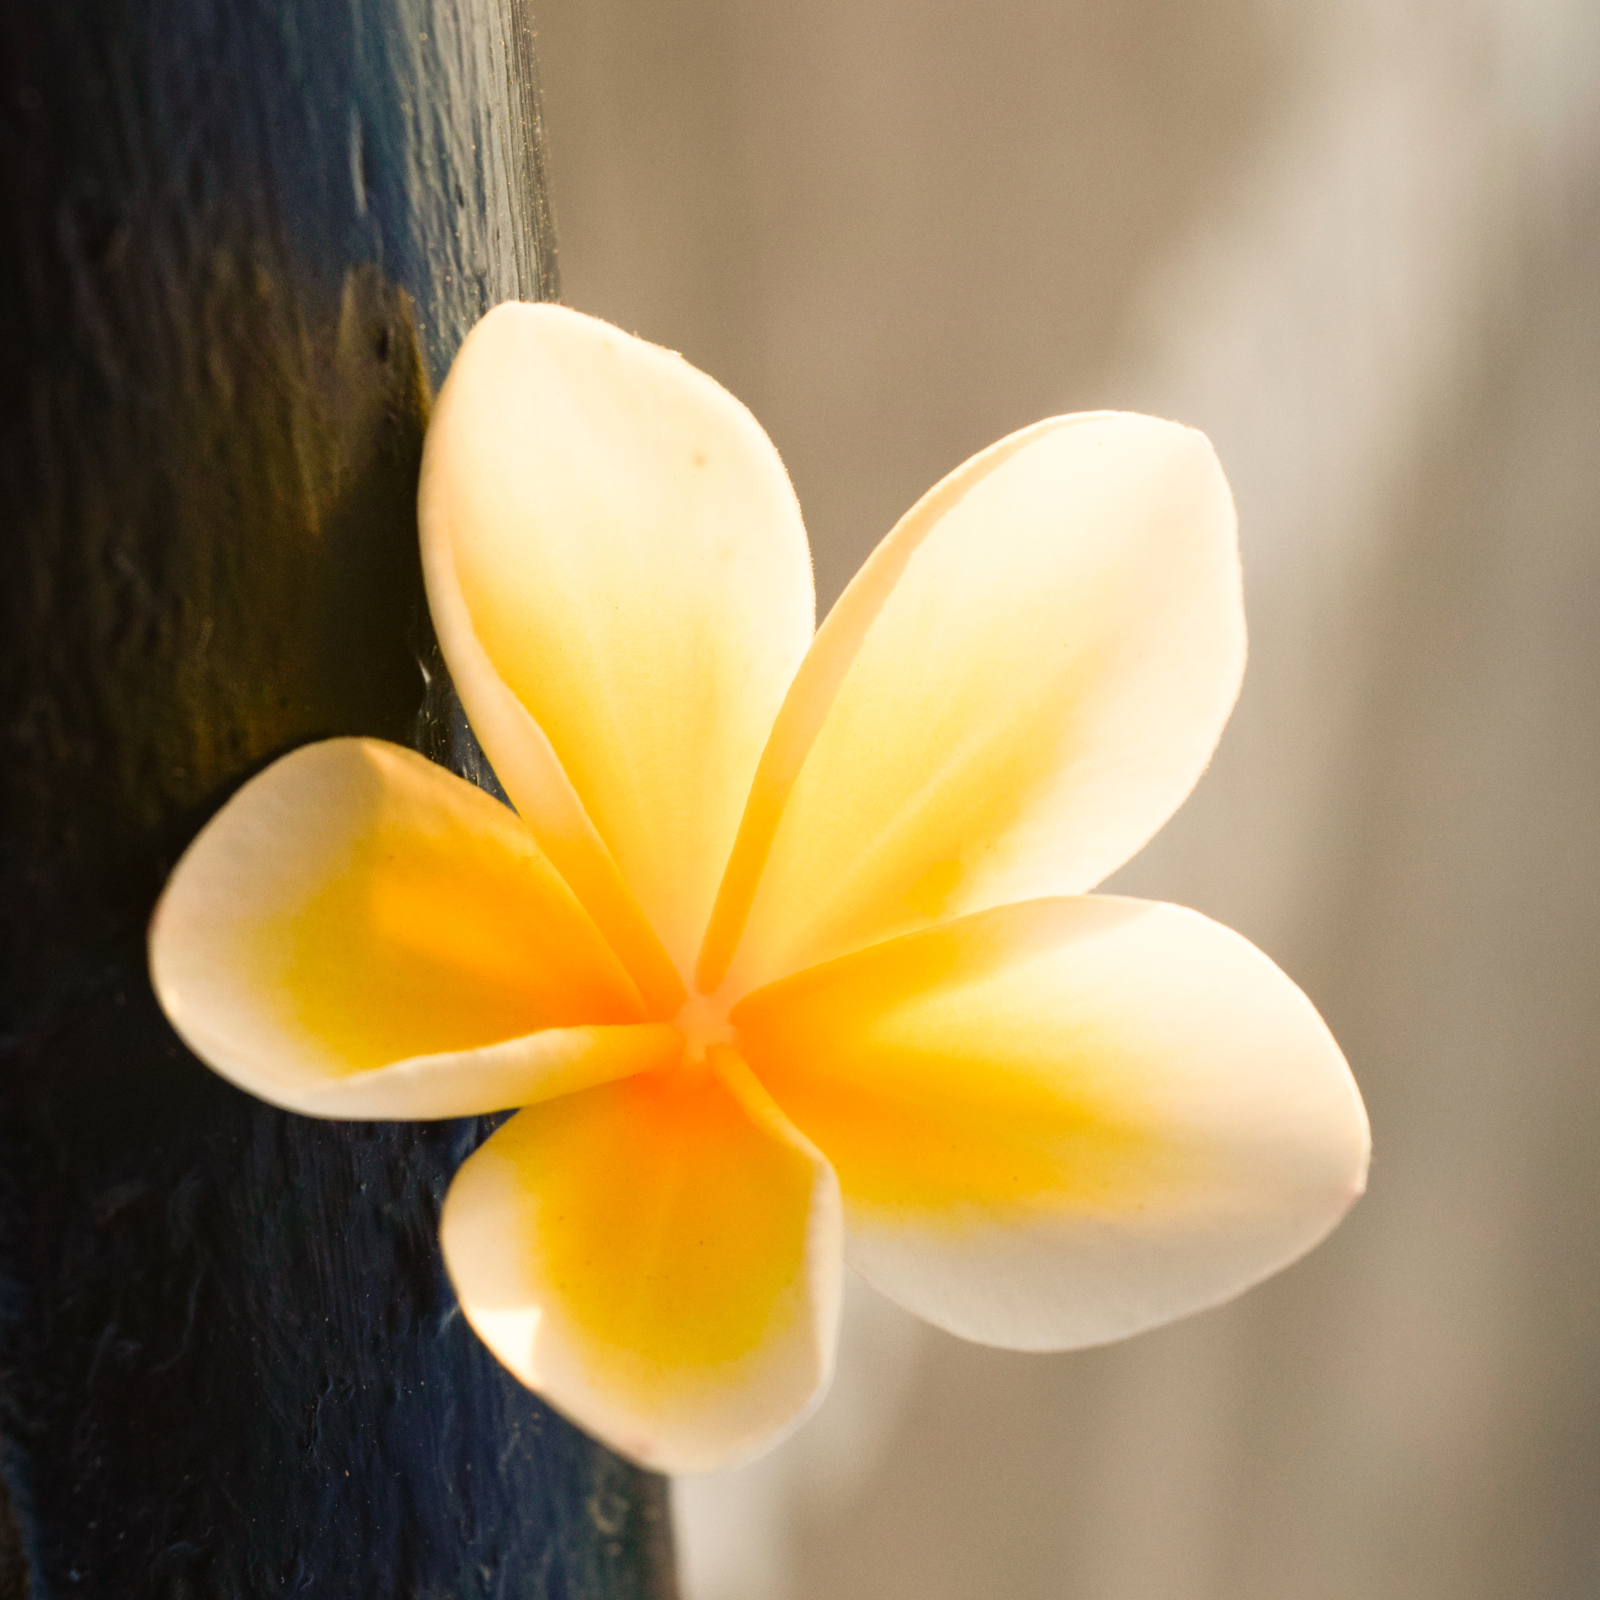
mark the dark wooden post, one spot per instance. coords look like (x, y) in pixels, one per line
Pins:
(239, 241)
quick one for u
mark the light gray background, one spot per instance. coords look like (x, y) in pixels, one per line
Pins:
(1359, 244)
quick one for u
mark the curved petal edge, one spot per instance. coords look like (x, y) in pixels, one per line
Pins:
(621, 585)
(1062, 1122)
(659, 1258)
(1022, 684)
(358, 932)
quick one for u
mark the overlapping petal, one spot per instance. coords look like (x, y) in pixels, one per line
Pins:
(621, 585)
(1061, 1122)
(360, 933)
(1018, 689)
(659, 1258)
(1049, 1119)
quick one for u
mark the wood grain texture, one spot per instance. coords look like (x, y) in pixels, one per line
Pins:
(239, 243)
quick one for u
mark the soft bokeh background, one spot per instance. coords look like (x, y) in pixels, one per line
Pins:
(1358, 242)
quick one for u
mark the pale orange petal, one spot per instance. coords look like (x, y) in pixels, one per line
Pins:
(360, 933)
(659, 1258)
(1017, 690)
(1061, 1122)
(621, 586)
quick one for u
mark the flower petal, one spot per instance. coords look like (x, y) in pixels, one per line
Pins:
(659, 1258)
(1062, 1122)
(620, 582)
(494, 1077)
(356, 926)
(1019, 688)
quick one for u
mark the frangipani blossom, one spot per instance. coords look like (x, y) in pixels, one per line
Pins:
(786, 955)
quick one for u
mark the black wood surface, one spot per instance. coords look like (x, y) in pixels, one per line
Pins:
(239, 241)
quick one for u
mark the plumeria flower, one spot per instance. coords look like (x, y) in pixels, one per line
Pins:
(786, 954)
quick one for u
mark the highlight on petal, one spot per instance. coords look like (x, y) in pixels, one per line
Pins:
(659, 1258)
(1063, 1122)
(622, 589)
(1018, 689)
(360, 933)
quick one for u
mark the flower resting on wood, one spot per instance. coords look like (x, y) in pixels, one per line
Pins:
(786, 955)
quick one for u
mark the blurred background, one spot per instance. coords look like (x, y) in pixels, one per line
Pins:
(1357, 242)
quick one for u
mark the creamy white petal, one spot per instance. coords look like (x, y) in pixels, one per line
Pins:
(1014, 694)
(659, 1258)
(620, 582)
(360, 933)
(1062, 1122)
